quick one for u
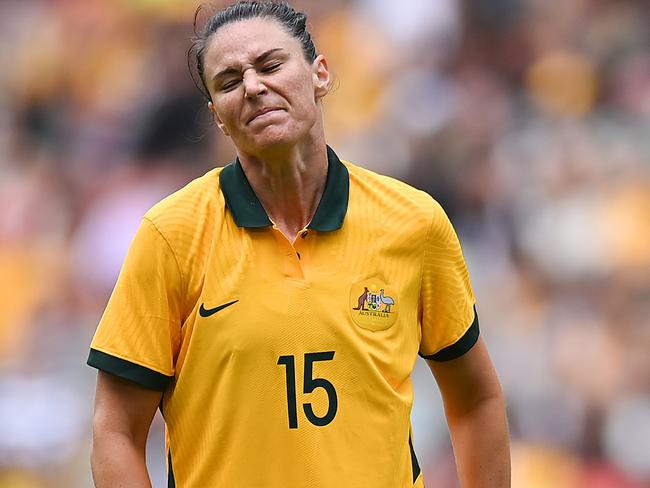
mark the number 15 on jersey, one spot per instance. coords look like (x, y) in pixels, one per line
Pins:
(309, 385)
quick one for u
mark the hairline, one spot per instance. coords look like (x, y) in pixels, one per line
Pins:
(264, 16)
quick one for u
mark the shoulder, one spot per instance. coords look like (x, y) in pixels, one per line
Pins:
(188, 218)
(393, 197)
(186, 222)
(195, 202)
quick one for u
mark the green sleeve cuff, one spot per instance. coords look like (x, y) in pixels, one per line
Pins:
(152, 380)
(461, 346)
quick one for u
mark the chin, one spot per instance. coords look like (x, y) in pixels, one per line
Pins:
(271, 138)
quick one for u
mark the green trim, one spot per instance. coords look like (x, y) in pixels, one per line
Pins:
(171, 482)
(333, 205)
(245, 207)
(152, 380)
(247, 211)
(415, 466)
(461, 346)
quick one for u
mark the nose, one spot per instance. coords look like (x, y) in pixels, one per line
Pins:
(253, 85)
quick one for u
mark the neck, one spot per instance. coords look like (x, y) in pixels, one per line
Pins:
(289, 183)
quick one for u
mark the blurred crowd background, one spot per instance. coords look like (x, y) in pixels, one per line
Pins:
(529, 120)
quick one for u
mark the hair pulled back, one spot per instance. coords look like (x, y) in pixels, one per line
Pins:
(293, 21)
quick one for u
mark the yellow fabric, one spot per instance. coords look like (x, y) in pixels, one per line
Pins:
(227, 407)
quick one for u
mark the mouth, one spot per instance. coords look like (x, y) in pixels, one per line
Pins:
(262, 112)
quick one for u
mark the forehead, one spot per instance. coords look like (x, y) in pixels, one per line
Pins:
(242, 41)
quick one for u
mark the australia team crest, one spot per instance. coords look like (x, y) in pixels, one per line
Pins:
(373, 305)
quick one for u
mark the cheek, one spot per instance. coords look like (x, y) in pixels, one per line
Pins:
(225, 109)
(297, 85)
(303, 96)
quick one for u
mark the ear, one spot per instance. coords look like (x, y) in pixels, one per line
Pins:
(321, 76)
(217, 119)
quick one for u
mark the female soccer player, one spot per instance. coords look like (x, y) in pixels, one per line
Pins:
(273, 309)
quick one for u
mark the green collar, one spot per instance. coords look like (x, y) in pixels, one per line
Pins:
(247, 211)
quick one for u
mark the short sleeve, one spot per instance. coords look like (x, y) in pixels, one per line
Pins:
(138, 336)
(448, 319)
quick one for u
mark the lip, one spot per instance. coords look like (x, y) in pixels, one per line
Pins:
(262, 112)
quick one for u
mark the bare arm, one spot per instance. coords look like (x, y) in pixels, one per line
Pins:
(123, 415)
(475, 411)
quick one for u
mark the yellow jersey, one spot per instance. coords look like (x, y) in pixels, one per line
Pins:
(287, 364)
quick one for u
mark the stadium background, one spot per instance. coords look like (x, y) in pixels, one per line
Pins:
(529, 120)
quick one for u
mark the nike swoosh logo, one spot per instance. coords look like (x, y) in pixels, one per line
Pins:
(206, 312)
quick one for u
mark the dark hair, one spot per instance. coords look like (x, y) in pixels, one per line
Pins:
(294, 22)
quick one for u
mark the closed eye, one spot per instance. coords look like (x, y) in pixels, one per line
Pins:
(271, 67)
(229, 85)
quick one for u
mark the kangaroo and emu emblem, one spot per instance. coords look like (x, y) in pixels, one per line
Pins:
(374, 301)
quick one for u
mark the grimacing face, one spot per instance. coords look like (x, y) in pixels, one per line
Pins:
(264, 92)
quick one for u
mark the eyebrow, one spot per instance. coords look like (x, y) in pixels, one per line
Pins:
(259, 59)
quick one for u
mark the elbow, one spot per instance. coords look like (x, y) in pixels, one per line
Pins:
(110, 434)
